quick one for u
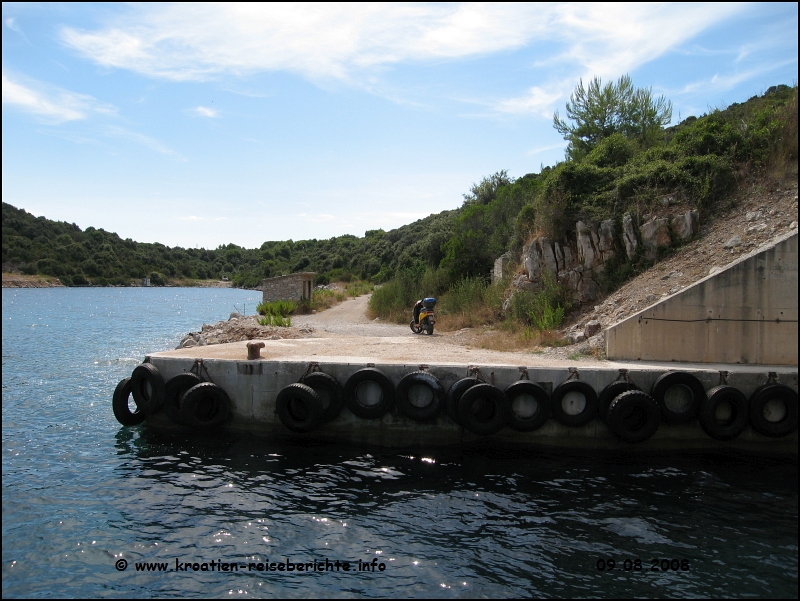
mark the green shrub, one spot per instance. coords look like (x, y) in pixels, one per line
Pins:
(543, 310)
(275, 320)
(280, 308)
(395, 298)
(358, 288)
(548, 318)
(464, 296)
(613, 151)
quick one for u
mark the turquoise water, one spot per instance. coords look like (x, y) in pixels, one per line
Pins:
(81, 493)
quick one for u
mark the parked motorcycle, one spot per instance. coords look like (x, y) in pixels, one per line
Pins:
(424, 318)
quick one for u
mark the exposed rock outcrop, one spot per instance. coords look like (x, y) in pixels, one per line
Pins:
(577, 261)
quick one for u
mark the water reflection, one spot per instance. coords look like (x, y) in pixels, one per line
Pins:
(504, 522)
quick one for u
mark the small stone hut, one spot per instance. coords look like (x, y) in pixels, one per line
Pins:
(295, 286)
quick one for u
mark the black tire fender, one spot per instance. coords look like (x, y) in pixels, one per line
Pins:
(148, 387)
(299, 407)
(119, 403)
(564, 406)
(454, 395)
(773, 410)
(529, 406)
(416, 387)
(678, 395)
(483, 409)
(329, 391)
(723, 413)
(633, 416)
(174, 390)
(366, 383)
(609, 393)
(205, 406)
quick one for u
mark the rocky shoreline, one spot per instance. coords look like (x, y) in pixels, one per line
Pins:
(238, 328)
(15, 280)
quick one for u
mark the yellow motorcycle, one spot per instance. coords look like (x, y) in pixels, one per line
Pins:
(424, 318)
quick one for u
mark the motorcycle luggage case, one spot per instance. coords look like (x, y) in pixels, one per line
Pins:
(429, 303)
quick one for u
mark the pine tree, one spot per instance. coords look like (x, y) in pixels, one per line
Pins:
(602, 110)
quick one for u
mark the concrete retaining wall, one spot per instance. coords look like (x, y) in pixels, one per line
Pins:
(746, 313)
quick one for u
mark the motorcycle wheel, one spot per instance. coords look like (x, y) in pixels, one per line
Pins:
(428, 327)
(415, 328)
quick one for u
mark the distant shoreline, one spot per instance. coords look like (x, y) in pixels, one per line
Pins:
(17, 280)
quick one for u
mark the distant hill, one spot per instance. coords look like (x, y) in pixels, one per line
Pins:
(37, 245)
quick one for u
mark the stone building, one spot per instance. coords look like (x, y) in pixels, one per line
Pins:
(295, 286)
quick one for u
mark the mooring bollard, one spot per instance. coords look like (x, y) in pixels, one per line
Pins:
(254, 350)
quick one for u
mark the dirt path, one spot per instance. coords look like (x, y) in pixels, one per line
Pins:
(349, 318)
(358, 336)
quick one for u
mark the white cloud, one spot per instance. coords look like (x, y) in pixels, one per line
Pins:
(320, 41)
(205, 112)
(609, 40)
(51, 104)
(152, 143)
(541, 149)
(349, 42)
(726, 82)
(11, 23)
(537, 101)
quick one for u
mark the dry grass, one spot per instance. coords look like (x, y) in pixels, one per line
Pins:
(510, 337)
(458, 321)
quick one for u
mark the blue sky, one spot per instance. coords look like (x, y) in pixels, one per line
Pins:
(200, 125)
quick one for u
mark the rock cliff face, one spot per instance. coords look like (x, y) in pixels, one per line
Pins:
(577, 260)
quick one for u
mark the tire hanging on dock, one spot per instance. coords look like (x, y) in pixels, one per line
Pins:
(174, 390)
(121, 408)
(773, 410)
(148, 387)
(205, 406)
(483, 409)
(420, 396)
(368, 393)
(574, 403)
(723, 413)
(529, 406)
(454, 395)
(609, 393)
(678, 395)
(330, 393)
(633, 416)
(299, 407)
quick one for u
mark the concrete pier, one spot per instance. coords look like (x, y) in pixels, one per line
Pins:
(253, 386)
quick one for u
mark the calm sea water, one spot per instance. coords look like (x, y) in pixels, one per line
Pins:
(81, 493)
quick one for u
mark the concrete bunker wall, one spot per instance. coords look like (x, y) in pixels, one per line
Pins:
(746, 313)
(295, 286)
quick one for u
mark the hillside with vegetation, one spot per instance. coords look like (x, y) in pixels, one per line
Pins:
(37, 245)
(620, 161)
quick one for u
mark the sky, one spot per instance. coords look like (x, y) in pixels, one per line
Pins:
(201, 125)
